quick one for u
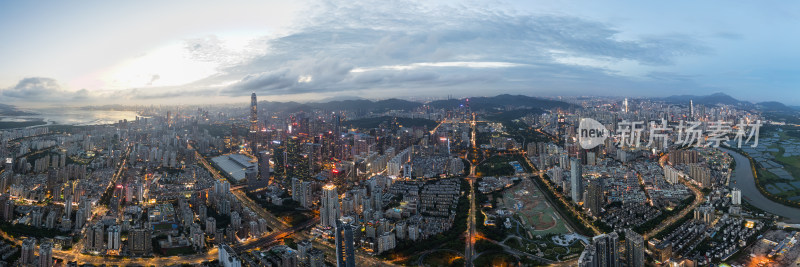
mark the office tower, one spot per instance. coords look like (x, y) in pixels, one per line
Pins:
(607, 249)
(345, 245)
(253, 114)
(329, 212)
(736, 196)
(634, 249)
(594, 197)
(259, 180)
(576, 180)
(28, 253)
(46, 255)
(691, 109)
(263, 164)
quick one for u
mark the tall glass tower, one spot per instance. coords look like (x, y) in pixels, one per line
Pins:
(253, 114)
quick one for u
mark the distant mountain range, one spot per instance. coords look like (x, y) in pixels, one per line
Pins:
(501, 101)
(722, 98)
(363, 105)
(349, 105)
(712, 99)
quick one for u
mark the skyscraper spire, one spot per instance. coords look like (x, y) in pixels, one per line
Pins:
(253, 113)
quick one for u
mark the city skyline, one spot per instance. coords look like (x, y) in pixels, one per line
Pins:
(399, 133)
(94, 52)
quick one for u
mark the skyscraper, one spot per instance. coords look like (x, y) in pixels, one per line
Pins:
(736, 196)
(46, 255)
(113, 237)
(634, 249)
(625, 105)
(329, 212)
(576, 180)
(607, 249)
(588, 257)
(345, 246)
(594, 197)
(253, 114)
(260, 179)
(28, 247)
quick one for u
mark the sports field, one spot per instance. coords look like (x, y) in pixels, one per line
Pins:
(532, 210)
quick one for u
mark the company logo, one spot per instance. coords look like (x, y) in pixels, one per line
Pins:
(591, 133)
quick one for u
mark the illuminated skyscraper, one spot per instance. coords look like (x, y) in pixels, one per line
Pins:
(253, 114)
(329, 212)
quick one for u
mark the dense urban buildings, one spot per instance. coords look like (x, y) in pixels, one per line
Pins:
(294, 193)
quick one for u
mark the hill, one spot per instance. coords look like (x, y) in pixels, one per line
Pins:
(501, 101)
(712, 99)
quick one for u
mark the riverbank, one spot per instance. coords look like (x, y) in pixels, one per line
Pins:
(744, 179)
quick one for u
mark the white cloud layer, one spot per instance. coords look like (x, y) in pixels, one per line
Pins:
(386, 49)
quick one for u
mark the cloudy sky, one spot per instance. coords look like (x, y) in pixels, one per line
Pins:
(165, 52)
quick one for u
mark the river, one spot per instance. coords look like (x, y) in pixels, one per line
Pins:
(743, 179)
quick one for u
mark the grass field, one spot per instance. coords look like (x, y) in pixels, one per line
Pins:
(531, 208)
